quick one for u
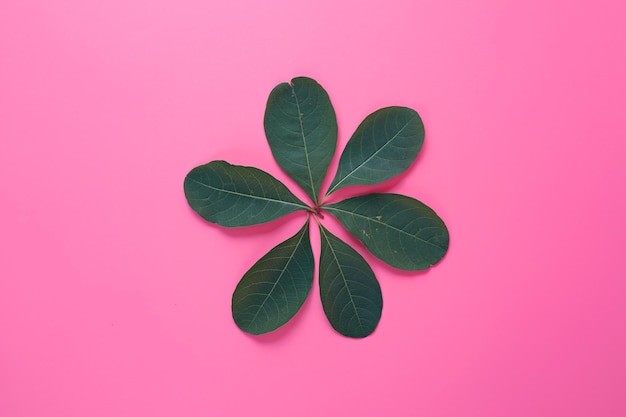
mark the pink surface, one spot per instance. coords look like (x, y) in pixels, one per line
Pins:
(115, 296)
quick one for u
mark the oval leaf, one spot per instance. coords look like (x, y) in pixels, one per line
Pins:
(399, 230)
(384, 145)
(301, 129)
(350, 293)
(274, 289)
(232, 195)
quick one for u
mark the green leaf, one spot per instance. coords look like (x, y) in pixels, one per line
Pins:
(301, 129)
(350, 293)
(399, 230)
(232, 195)
(274, 289)
(384, 145)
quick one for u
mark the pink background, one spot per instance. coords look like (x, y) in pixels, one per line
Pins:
(115, 296)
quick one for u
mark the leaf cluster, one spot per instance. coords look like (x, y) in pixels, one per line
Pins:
(301, 129)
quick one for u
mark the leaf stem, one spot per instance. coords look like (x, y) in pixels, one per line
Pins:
(317, 211)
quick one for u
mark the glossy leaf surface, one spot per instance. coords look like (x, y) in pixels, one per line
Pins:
(301, 129)
(399, 230)
(384, 145)
(274, 289)
(232, 195)
(350, 293)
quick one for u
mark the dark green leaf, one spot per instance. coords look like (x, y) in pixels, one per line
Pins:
(274, 289)
(399, 230)
(384, 145)
(349, 290)
(232, 195)
(301, 129)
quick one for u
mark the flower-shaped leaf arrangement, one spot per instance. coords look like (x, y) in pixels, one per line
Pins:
(301, 130)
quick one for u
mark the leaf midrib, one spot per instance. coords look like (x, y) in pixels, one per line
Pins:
(302, 232)
(246, 195)
(368, 159)
(306, 149)
(329, 208)
(345, 283)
